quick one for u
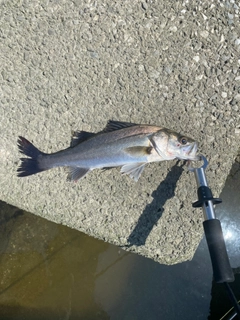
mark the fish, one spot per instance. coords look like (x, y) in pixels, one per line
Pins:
(120, 144)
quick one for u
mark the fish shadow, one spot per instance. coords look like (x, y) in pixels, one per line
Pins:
(153, 211)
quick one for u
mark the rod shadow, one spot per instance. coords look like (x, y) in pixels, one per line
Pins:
(153, 211)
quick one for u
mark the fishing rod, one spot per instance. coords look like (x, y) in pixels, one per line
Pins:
(222, 271)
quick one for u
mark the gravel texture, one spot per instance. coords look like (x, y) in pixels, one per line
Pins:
(68, 65)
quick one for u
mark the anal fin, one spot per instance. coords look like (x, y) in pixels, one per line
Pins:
(76, 173)
(134, 170)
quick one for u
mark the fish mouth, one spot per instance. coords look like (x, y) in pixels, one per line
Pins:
(192, 153)
(189, 152)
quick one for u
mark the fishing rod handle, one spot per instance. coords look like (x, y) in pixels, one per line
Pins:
(222, 270)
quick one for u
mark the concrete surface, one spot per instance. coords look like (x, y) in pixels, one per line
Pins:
(49, 271)
(73, 65)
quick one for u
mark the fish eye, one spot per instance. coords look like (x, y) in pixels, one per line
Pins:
(183, 140)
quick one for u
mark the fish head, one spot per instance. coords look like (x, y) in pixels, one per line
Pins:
(171, 145)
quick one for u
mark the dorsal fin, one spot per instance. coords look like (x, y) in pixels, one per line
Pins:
(80, 136)
(117, 125)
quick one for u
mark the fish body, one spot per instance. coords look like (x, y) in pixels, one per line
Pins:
(120, 144)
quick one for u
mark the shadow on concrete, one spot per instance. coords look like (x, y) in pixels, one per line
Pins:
(153, 211)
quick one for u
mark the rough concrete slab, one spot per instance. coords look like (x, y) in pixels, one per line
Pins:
(73, 65)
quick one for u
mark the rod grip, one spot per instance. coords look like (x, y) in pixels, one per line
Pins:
(222, 271)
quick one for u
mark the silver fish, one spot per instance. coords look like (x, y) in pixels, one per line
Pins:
(121, 144)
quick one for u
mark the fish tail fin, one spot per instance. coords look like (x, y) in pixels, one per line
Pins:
(31, 165)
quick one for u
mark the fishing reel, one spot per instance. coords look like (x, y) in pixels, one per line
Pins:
(222, 271)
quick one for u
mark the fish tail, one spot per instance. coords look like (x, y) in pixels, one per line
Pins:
(31, 165)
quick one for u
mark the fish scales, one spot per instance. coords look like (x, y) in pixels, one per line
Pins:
(123, 144)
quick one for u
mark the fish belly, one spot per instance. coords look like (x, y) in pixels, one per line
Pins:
(89, 155)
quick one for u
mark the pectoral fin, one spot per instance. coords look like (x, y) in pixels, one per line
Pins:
(134, 170)
(138, 151)
(76, 173)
